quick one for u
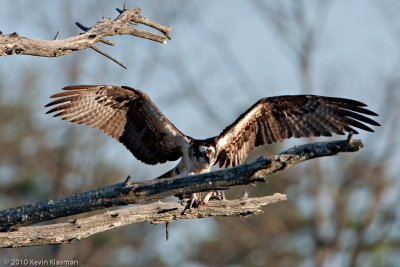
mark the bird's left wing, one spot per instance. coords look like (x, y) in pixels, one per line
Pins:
(274, 119)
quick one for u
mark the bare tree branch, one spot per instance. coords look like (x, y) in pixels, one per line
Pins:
(156, 213)
(299, 35)
(138, 192)
(13, 44)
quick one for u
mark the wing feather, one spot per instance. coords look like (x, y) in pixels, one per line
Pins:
(126, 114)
(273, 119)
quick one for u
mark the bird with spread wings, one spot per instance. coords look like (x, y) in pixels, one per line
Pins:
(129, 116)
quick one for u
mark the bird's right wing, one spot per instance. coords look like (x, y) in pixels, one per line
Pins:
(126, 114)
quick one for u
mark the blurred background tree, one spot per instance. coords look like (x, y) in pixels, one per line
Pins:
(223, 56)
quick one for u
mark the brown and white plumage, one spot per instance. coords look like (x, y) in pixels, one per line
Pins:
(273, 119)
(129, 116)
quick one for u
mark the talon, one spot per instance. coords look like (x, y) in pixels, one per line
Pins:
(192, 202)
(219, 195)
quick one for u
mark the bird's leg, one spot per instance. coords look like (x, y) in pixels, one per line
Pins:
(191, 202)
(214, 194)
(206, 198)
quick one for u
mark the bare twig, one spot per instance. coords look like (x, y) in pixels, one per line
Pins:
(142, 20)
(155, 213)
(107, 56)
(137, 192)
(107, 42)
(13, 44)
(56, 36)
(350, 138)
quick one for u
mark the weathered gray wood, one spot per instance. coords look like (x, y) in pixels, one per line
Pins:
(13, 44)
(158, 212)
(139, 192)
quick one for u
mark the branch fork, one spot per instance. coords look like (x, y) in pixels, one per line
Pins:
(13, 44)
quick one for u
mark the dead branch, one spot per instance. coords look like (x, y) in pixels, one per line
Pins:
(156, 213)
(138, 192)
(13, 44)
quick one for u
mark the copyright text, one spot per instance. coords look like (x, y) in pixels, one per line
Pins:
(41, 262)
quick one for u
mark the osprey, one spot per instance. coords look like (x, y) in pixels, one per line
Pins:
(129, 116)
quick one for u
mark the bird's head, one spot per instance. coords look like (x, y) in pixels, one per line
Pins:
(204, 152)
